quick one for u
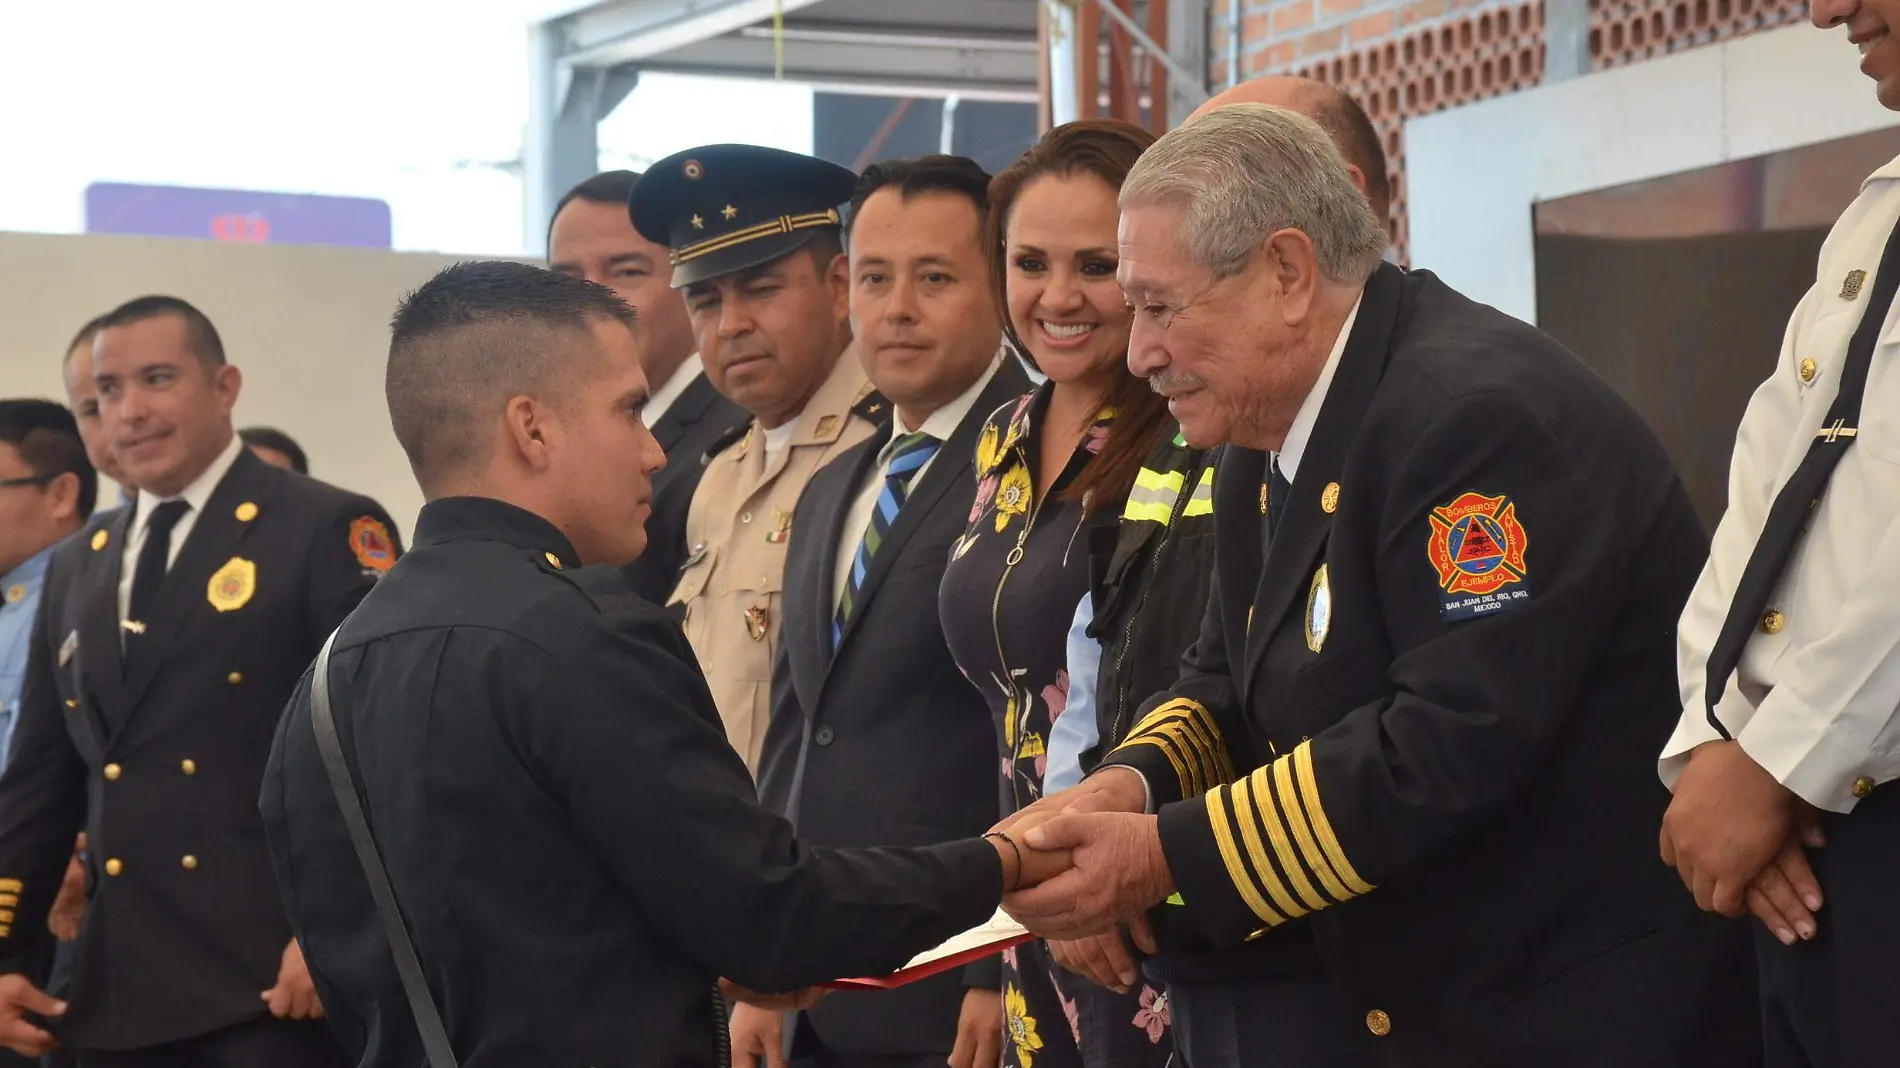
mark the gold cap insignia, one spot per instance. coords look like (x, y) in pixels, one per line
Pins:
(698, 223)
(729, 212)
(692, 170)
(1329, 498)
(99, 539)
(231, 587)
(1850, 286)
(246, 512)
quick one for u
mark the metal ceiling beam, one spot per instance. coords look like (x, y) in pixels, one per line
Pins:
(916, 69)
(628, 31)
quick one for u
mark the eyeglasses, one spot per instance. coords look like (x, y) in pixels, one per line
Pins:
(30, 480)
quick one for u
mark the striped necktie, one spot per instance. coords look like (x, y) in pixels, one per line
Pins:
(908, 456)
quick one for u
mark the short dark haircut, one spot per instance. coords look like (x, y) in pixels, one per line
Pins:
(926, 174)
(1352, 130)
(269, 437)
(607, 187)
(200, 336)
(475, 335)
(85, 335)
(47, 439)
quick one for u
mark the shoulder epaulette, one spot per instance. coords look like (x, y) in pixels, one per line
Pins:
(725, 441)
(872, 407)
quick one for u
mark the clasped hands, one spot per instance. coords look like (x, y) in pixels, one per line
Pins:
(1739, 838)
(1093, 863)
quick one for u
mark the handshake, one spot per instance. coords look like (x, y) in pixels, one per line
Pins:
(1090, 861)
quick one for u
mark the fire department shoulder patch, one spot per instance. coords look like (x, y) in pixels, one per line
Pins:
(370, 540)
(1477, 547)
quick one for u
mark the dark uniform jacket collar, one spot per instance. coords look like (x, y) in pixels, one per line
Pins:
(450, 519)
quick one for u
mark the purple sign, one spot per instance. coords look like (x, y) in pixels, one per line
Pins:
(236, 216)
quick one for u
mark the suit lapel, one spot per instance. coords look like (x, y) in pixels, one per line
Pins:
(1301, 538)
(952, 464)
(862, 461)
(1237, 548)
(102, 659)
(686, 411)
(215, 537)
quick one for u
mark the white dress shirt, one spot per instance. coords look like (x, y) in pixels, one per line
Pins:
(195, 495)
(1302, 429)
(1815, 702)
(662, 398)
(940, 424)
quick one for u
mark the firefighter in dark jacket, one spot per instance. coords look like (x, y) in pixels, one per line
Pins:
(1438, 644)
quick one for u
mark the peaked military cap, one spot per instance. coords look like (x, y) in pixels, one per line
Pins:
(724, 208)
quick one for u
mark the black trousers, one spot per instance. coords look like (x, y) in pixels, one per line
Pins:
(808, 1051)
(1267, 1021)
(264, 1043)
(1830, 1003)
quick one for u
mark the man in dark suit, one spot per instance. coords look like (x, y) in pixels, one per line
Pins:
(1439, 650)
(591, 236)
(876, 738)
(169, 638)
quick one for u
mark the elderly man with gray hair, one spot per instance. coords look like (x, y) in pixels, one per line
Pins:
(1438, 654)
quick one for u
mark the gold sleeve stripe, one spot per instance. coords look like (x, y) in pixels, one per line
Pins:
(1180, 748)
(6, 917)
(1230, 855)
(1250, 832)
(10, 886)
(7, 901)
(1206, 731)
(1322, 827)
(1261, 782)
(5, 930)
(1166, 746)
(1295, 818)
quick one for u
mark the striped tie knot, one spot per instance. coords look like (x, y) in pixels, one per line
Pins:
(909, 454)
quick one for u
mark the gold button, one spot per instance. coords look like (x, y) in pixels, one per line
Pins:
(113, 771)
(99, 540)
(1807, 370)
(1329, 498)
(1863, 786)
(189, 862)
(234, 677)
(553, 561)
(1379, 1023)
(70, 703)
(113, 867)
(1772, 622)
(246, 512)
(745, 517)
(188, 766)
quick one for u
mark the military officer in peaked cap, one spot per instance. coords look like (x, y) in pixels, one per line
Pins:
(757, 249)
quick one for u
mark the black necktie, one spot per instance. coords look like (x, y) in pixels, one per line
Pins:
(150, 575)
(1788, 516)
(1278, 490)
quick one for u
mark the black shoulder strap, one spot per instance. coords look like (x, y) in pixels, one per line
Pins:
(435, 1038)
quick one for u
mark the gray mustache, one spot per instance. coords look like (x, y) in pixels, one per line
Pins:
(1174, 382)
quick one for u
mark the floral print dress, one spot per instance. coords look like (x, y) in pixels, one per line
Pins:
(1007, 599)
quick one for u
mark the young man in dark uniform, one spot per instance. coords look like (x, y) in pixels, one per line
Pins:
(575, 849)
(170, 635)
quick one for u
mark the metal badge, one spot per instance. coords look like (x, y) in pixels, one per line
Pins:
(231, 588)
(1319, 610)
(781, 531)
(757, 618)
(1850, 286)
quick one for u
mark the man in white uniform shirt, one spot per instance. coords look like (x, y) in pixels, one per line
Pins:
(1790, 645)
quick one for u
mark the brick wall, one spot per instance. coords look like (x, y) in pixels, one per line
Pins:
(1405, 58)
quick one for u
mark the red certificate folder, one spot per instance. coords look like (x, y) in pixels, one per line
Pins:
(995, 935)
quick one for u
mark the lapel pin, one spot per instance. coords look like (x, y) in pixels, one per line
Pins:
(99, 539)
(1319, 610)
(246, 512)
(781, 531)
(756, 620)
(1850, 286)
(1329, 498)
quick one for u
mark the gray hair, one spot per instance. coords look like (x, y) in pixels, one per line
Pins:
(1246, 171)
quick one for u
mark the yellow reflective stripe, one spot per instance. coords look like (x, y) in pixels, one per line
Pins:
(1202, 503)
(1322, 827)
(1160, 481)
(1147, 511)
(1230, 856)
(1283, 782)
(1244, 804)
(1282, 845)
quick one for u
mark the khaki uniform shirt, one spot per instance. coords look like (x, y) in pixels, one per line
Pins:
(737, 533)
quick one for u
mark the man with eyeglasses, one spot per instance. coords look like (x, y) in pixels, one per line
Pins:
(46, 492)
